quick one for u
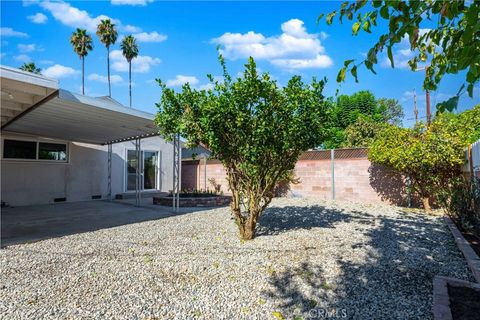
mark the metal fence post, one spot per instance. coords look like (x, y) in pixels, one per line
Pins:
(109, 172)
(332, 158)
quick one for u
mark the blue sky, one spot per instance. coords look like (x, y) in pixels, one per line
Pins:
(178, 43)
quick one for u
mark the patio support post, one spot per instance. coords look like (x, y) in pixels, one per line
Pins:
(137, 171)
(176, 173)
(205, 173)
(332, 157)
(109, 172)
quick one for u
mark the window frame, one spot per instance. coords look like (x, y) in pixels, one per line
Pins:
(37, 150)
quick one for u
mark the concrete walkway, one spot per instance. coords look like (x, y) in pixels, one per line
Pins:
(33, 223)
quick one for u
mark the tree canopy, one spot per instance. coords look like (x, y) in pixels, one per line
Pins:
(30, 67)
(254, 127)
(430, 156)
(353, 111)
(450, 46)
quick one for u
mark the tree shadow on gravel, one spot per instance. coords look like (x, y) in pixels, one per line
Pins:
(276, 220)
(391, 278)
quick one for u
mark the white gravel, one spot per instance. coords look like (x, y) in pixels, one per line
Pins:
(310, 259)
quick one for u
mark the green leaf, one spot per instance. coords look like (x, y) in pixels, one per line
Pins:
(347, 62)
(366, 26)
(390, 56)
(353, 71)
(341, 74)
(330, 17)
(384, 12)
(355, 28)
(278, 315)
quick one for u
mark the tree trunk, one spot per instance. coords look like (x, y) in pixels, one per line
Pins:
(426, 203)
(130, 81)
(83, 75)
(108, 70)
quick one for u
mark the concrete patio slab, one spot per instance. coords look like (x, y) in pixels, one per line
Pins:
(33, 223)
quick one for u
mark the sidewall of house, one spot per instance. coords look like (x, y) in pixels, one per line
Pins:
(85, 174)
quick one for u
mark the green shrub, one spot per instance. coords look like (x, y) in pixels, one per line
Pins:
(461, 201)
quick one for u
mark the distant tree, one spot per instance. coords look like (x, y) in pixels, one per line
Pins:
(82, 44)
(107, 34)
(430, 156)
(256, 128)
(351, 107)
(362, 132)
(130, 51)
(30, 67)
(391, 110)
(450, 46)
(348, 109)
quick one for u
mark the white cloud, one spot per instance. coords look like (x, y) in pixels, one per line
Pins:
(130, 2)
(58, 71)
(76, 18)
(22, 58)
(295, 48)
(132, 29)
(73, 17)
(46, 62)
(320, 61)
(140, 64)
(9, 32)
(150, 37)
(181, 80)
(27, 3)
(26, 47)
(114, 79)
(39, 18)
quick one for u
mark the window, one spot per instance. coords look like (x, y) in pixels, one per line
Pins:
(52, 151)
(34, 150)
(17, 149)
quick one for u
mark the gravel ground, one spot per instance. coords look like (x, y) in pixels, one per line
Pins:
(311, 259)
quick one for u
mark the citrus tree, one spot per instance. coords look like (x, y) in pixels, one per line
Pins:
(429, 156)
(254, 127)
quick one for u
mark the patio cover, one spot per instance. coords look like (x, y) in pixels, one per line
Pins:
(69, 116)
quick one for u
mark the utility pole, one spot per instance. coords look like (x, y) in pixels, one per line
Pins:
(427, 96)
(415, 110)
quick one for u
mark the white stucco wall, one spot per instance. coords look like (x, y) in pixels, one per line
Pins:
(25, 182)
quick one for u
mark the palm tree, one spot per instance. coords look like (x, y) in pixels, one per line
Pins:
(130, 50)
(30, 67)
(107, 34)
(82, 44)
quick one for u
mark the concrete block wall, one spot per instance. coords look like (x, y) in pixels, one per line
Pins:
(356, 179)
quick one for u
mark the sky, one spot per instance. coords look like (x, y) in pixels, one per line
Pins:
(178, 43)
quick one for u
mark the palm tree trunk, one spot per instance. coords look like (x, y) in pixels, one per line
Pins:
(108, 68)
(130, 81)
(83, 75)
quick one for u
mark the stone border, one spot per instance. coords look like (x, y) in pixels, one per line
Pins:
(215, 201)
(441, 300)
(472, 258)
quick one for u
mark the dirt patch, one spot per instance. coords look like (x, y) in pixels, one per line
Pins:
(464, 302)
(472, 239)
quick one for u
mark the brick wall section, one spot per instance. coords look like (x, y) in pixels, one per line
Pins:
(216, 171)
(355, 178)
(190, 177)
(315, 179)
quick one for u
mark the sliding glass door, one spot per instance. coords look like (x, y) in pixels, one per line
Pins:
(148, 170)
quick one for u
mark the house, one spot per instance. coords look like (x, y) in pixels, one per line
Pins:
(59, 146)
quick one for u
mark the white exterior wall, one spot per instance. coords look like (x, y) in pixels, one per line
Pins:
(27, 182)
